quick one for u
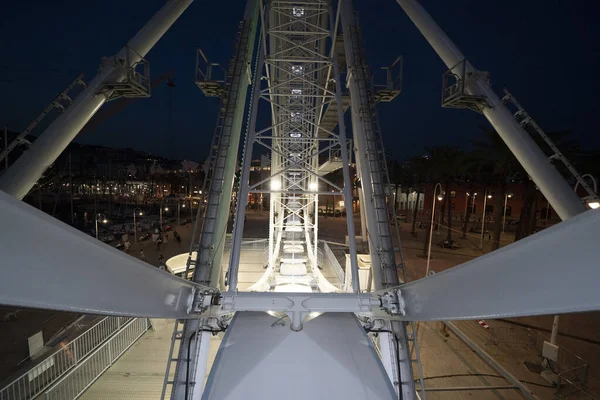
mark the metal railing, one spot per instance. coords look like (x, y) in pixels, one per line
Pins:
(335, 264)
(38, 378)
(78, 379)
(248, 243)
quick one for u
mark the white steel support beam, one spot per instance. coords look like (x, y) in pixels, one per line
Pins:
(242, 202)
(552, 272)
(26, 171)
(346, 170)
(189, 373)
(554, 187)
(383, 260)
(48, 264)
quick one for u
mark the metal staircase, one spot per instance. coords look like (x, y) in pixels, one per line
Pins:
(525, 120)
(61, 103)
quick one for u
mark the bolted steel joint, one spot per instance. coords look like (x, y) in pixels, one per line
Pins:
(393, 303)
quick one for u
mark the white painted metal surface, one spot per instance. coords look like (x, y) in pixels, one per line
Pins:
(331, 358)
(65, 269)
(554, 187)
(554, 271)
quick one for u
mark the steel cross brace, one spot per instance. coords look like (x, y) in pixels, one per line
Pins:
(298, 305)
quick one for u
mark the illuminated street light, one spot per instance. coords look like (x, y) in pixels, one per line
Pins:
(134, 222)
(104, 221)
(506, 197)
(485, 197)
(431, 225)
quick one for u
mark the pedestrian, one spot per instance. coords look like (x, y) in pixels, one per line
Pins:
(142, 255)
(127, 246)
(158, 243)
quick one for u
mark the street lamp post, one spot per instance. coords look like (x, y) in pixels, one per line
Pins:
(439, 197)
(161, 218)
(485, 197)
(506, 197)
(134, 222)
(179, 207)
(104, 221)
(592, 199)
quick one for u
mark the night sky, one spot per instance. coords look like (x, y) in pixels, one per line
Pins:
(545, 51)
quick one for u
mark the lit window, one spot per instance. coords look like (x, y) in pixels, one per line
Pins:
(298, 12)
(297, 69)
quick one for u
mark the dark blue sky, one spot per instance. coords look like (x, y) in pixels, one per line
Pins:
(545, 51)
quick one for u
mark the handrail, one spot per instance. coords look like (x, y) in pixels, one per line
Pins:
(31, 383)
(337, 268)
(80, 378)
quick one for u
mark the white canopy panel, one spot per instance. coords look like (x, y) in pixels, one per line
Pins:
(331, 358)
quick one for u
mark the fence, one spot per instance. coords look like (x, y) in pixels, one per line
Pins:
(78, 379)
(570, 369)
(44, 374)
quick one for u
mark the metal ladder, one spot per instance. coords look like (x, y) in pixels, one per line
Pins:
(381, 183)
(375, 157)
(61, 103)
(178, 335)
(221, 144)
(206, 218)
(524, 119)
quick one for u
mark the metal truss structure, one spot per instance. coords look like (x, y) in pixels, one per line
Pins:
(297, 77)
(300, 84)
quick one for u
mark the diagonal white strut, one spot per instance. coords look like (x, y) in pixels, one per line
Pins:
(25, 172)
(554, 187)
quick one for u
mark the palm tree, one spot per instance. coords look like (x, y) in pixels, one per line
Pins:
(498, 166)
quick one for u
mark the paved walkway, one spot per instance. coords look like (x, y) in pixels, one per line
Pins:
(139, 373)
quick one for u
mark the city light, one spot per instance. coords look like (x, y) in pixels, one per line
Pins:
(166, 208)
(275, 184)
(440, 197)
(104, 221)
(594, 204)
(313, 186)
(489, 196)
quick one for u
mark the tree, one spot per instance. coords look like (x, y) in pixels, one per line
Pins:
(472, 173)
(498, 166)
(446, 165)
(418, 166)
